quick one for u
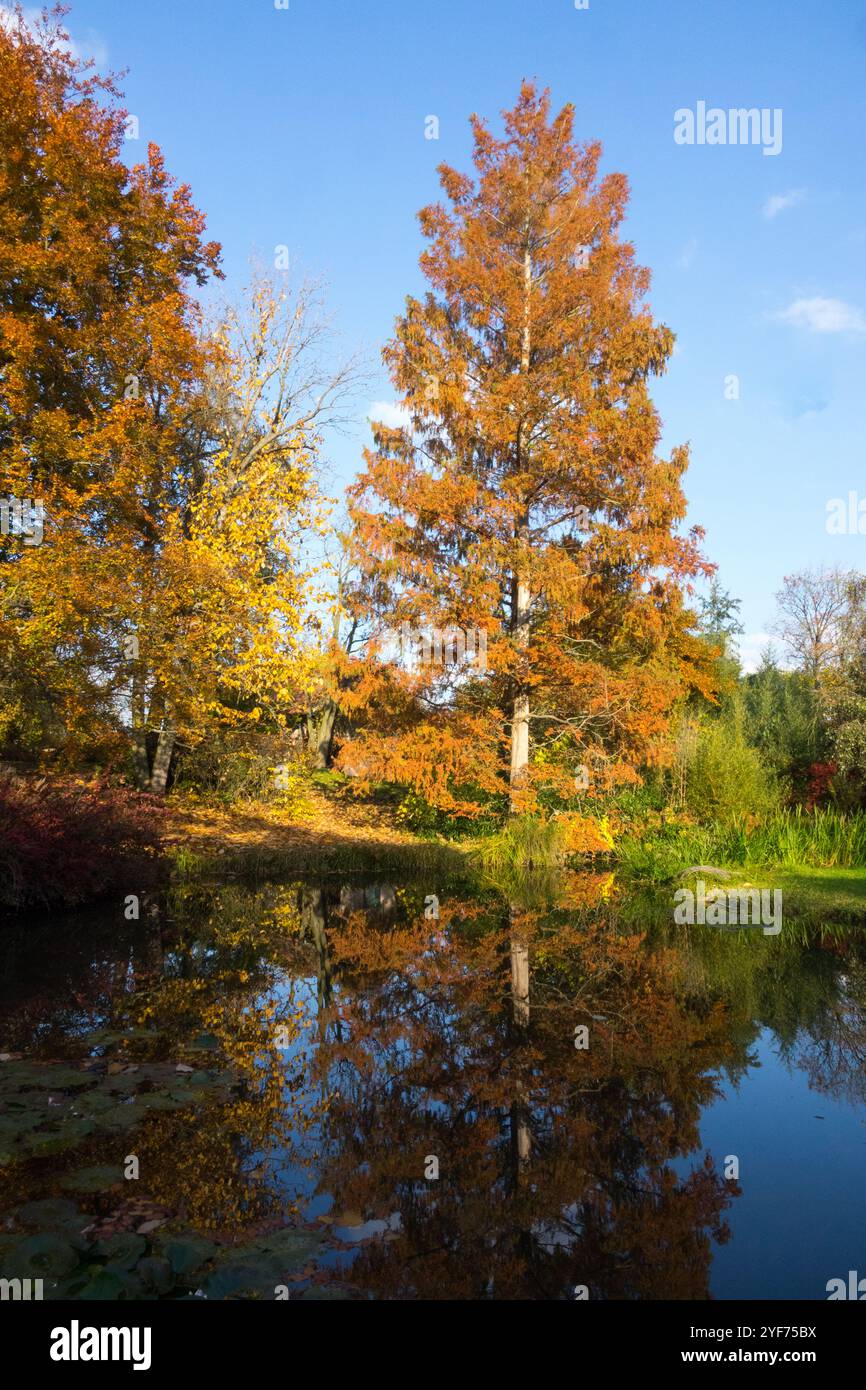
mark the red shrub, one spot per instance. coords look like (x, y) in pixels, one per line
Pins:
(818, 788)
(65, 843)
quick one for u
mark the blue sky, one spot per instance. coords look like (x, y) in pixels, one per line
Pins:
(305, 126)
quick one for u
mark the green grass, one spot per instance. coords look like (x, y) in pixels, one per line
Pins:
(834, 893)
(818, 859)
(793, 839)
(523, 843)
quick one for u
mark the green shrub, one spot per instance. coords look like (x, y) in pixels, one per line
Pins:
(524, 842)
(726, 779)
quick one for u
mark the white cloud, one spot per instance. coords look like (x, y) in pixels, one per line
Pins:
(686, 257)
(390, 413)
(823, 316)
(87, 45)
(750, 649)
(780, 202)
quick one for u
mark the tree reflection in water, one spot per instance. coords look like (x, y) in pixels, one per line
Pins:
(355, 1040)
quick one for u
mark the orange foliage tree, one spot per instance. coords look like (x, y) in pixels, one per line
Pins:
(99, 358)
(523, 513)
(175, 465)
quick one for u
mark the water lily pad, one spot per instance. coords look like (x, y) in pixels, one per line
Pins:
(17, 1122)
(46, 1143)
(285, 1250)
(19, 1075)
(121, 1117)
(64, 1078)
(290, 1241)
(76, 1127)
(95, 1179)
(155, 1273)
(231, 1279)
(94, 1102)
(104, 1285)
(57, 1215)
(188, 1253)
(72, 1286)
(190, 1095)
(121, 1250)
(51, 1212)
(153, 1100)
(42, 1256)
(124, 1082)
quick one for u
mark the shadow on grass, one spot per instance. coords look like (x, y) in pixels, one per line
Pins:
(248, 845)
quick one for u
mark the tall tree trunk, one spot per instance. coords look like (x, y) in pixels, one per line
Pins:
(321, 734)
(520, 705)
(162, 759)
(139, 731)
(521, 596)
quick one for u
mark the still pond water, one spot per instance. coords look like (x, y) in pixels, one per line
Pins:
(332, 1091)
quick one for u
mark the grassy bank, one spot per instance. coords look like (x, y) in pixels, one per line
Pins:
(817, 859)
(832, 894)
(790, 839)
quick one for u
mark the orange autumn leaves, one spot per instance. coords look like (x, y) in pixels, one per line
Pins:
(176, 468)
(524, 506)
(525, 498)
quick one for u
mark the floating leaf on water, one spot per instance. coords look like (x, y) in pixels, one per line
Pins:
(190, 1095)
(52, 1211)
(121, 1250)
(95, 1101)
(43, 1256)
(285, 1250)
(77, 1127)
(71, 1287)
(104, 1285)
(14, 1123)
(188, 1253)
(94, 1179)
(121, 1117)
(47, 1143)
(63, 1078)
(155, 1100)
(156, 1273)
(231, 1279)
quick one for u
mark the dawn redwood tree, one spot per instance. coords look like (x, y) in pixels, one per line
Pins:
(525, 496)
